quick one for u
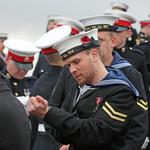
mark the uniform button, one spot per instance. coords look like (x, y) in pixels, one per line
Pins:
(8, 76)
(15, 84)
(16, 94)
(42, 70)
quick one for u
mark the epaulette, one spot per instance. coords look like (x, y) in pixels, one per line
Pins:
(136, 50)
(143, 42)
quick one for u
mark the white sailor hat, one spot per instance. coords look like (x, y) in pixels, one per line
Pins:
(102, 23)
(145, 22)
(125, 19)
(119, 6)
(61, 20)
(3, 36)
(21, 52)
(78, 43)
(46, 42)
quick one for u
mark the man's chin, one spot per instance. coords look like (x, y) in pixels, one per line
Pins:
(19, 78)
(80, 82)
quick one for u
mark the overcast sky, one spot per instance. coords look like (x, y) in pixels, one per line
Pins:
(27, 19)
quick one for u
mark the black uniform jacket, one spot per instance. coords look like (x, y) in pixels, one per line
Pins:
(14, 123)
(130, 72)
(100, 118)
(137, 59)
(46, 83)
(19, 87)
(145, 48)
(63, 86)
(44, 87)
(41, 66)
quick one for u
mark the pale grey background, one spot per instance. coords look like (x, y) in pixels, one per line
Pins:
(27, 19)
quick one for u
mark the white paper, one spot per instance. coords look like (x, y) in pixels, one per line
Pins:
(23, 99)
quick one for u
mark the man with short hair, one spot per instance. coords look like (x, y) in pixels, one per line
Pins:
(133, 56)
(53, 22)
(107, 36)
(44, 86)
(100, 108)
(19, 61)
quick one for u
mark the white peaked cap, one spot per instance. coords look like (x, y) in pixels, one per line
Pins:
(78, 43)
(21, 52)
(120, 6)
(21, 47)
(122, 15)
(99, 22)
(51, 37)
(66, 21)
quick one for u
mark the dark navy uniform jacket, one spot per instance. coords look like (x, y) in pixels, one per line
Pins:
(130, 72)
(145, 48)
(62, 87)
(46, 83)
(137, 59)
(14, 123)
(100, 116)
(19, 87)
(44, 87)
(41, 66)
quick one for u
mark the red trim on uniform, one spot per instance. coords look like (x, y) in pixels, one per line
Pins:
(49, 50)
(143, 23)
(21, 59)
(124, 23)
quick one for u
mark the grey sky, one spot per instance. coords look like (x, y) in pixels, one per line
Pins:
(27, 19)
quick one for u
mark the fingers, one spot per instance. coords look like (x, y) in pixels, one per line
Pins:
(37, 106)
(64, 147)
(42, 100)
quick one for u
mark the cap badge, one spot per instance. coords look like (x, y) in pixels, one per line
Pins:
(26, 59)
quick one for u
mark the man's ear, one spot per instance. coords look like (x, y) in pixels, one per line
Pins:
(94, 55)
(114, 39)
(129, 33)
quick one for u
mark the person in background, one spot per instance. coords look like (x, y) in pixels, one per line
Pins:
(144, 46)
(53, 22)
(144, 33)
(98, 108)
(15, 128)
(65, 80)
(132, 40)
(3, 37)
(133, 56)
(18, 61)
(51, 75)
(144, 42)
(119, 6)
(41, 136)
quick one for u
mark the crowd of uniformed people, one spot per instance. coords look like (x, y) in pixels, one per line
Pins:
(90, 88)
